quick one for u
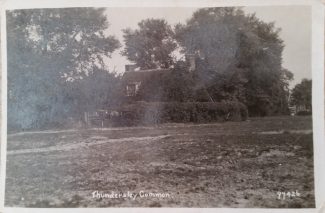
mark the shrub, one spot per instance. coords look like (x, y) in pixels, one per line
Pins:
(144, 113)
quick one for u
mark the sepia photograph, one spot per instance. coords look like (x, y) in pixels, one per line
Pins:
(191, 107)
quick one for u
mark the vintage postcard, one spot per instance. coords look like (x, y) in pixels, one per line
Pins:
(187, 105)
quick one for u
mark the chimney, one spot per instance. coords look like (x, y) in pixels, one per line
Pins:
(130, 67)
(190, 60)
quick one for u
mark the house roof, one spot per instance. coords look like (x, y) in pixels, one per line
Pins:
(141, 75)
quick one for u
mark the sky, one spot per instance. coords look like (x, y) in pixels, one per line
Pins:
(294, 21)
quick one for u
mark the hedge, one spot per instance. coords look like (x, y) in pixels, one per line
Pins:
(304, 113)
(143, 113)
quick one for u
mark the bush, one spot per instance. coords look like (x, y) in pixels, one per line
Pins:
(144, 113)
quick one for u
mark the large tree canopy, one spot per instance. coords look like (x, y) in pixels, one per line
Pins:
(150, 46)
(240, 58)
(213, 34)
(46, 49)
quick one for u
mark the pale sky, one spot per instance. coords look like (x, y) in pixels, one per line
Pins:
(295, 22)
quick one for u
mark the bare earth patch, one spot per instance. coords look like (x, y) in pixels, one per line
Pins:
(233, 164)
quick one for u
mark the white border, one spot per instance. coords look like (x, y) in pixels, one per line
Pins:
(18, 4)
(160, 210)
(317, 76)
(3, 91)
(318, 102)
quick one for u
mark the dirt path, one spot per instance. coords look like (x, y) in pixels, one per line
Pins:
(170, 125)
(91, 142)
(303, 131)
(43, 132)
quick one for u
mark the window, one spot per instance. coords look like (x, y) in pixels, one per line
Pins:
(130, 90)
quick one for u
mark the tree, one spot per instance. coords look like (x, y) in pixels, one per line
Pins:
(47, 50)
(211, 33)
(240, 58)
(98, 90)
(151, 45)
(302, 94)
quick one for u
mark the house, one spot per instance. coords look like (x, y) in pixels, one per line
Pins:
(133, 79)
(298, 109)
(132, 82)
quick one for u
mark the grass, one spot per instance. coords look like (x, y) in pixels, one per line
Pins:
(200, 165)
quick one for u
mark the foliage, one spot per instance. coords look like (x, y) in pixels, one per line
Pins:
(142, 113)
(57, 70)
(48, 49)
(302, 94)
(150, 46)
(240, 58)
(98, 90)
